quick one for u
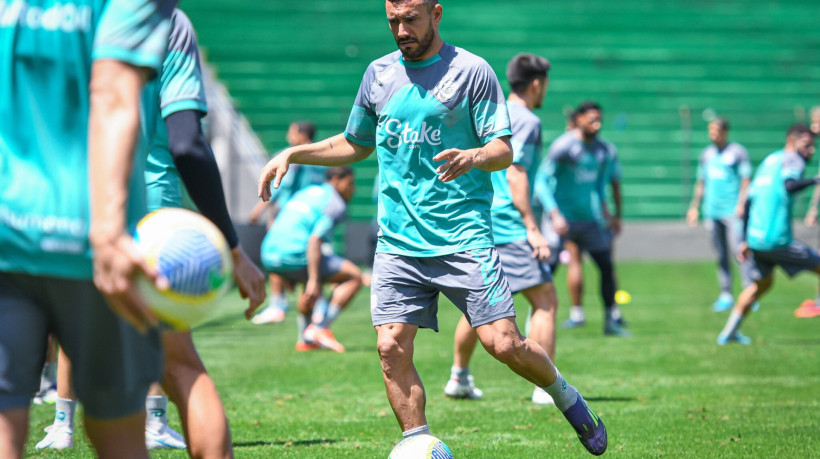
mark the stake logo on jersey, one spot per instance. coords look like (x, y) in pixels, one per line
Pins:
(411, 111)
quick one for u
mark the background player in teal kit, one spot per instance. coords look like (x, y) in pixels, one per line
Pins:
(576, 172)
(521, 246)
(723, 176)
(299, 133)
(293, 250)
(769, 241)
(66, 105)
(178, 148)
(437, 118)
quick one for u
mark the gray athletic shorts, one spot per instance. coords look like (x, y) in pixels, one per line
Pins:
(113, 364)
(589, 236)
(522, 270)
(328, 267)
(794, 258)
(405, 289)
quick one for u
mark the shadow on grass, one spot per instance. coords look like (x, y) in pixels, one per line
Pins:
(316, 441)
(611, 399)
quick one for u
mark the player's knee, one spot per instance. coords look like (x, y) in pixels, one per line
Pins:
(392, 354)
(505, 348)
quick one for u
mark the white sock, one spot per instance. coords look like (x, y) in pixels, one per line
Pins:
(156, 412)
(319, 311)
(562, 392)
(616, 312)
(460, 374)
(417, 431)
(64, 412)
(576, 313)
(332, 313)
(732, 324)
(280, 301)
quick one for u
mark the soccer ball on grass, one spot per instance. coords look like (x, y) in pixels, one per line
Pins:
(421, 447)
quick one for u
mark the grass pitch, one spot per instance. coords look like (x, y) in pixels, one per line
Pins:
(667, 392)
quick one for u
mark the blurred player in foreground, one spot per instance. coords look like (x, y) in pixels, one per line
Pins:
(521, 247)
(576, 171)
(437, 118)
(299, 133)
(69, 129)
(293, 250)
(179, 148)
(769, 241)
(723, 176)
(811, 308)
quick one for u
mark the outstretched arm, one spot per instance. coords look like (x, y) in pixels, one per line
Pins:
(493, 156)
(335, 151)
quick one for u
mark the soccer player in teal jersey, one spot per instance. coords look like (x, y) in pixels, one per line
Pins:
(299, 133)
(436, 116)
(73, 74)
(178, 96)
(769, 241)
(576, 172)
(293, 250)
(521, 246)
(723, 176)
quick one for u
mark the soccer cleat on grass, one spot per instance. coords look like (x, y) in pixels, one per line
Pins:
(46, 396)
(588, 425)
(724, 302)
(58, 436)
(569, 323)
(304, 346)
(323, 337)
(807, 310)
(456, 389)
(164, 438)
(270, 315)
(541, 397)
(737, 337)
(613, 329)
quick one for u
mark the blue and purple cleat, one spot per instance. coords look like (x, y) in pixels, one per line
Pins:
(588, 425)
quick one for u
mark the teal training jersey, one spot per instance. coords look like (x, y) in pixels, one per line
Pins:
(314, 211)
(721, 172)
(180, 88)
(770, 214)
(411, 111)
(526, 143)
(47, 48)
(575, 172)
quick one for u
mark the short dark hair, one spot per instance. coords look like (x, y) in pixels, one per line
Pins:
(722, 123)
(587, 106)
(524, 68)
(338, 172)
(799, 129)
(430, 3)
(307, 128)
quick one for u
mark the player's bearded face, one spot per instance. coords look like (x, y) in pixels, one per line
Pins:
(413, 48)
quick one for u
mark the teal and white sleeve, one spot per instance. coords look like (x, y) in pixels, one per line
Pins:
(135, 32)
(361, 125)
(488, 109)
(182, 87)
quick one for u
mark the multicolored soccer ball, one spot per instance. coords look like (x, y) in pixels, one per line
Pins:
(193, 255)
(421, 447)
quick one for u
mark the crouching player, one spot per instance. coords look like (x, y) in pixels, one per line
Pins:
(293, 250)
(769, 240)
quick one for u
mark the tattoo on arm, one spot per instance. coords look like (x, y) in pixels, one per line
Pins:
(331, 144)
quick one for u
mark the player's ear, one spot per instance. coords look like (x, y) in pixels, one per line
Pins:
(438, 12)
